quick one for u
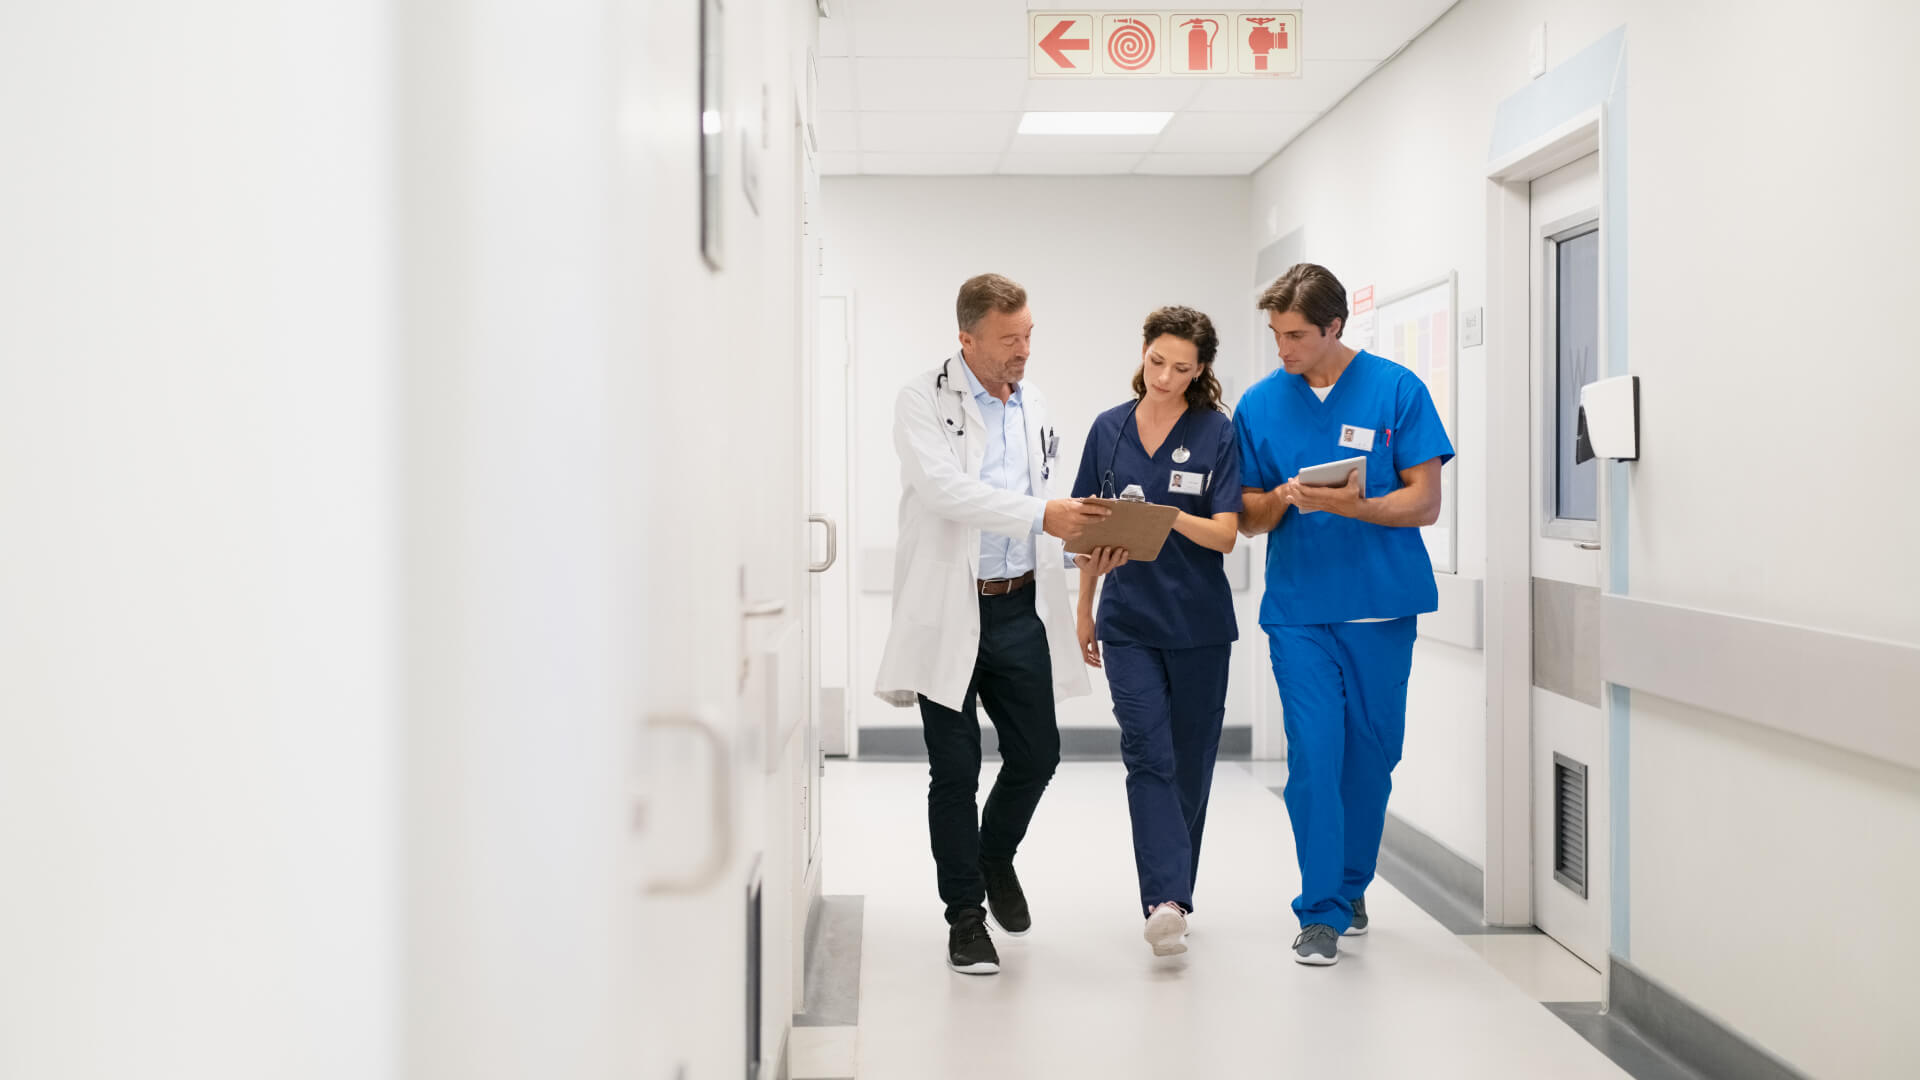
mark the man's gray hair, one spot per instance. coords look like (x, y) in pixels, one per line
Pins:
(984, 293)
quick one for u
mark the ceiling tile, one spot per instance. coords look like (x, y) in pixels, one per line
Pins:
(1081, 144)
(928, 164)
(1110, 95)
(836, 84)
(1224, 132)
(1322, 83)
(1200, 164)
(1068, 164)
(837, 164)
(927, 132)
(839, 132)
(835, 40)
(955, 85)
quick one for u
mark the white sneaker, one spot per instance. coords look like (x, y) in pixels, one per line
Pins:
(1167, 930)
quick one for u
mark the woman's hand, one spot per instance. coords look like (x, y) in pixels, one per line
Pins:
(1089, 647)
(1101, 560)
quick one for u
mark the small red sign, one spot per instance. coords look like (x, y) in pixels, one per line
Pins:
(1056, 44)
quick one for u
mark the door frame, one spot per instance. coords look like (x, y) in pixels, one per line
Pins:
(1511, 525)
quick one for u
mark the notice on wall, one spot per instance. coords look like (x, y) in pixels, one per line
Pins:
(1360, 319)
(1131, 44)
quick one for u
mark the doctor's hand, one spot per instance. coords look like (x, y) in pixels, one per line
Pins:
(1068, 518)
(1344, 500)
(1089, 645)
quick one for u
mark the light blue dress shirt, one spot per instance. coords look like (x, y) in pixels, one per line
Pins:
(1005, 467)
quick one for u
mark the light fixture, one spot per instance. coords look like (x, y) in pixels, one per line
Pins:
(1093, 123)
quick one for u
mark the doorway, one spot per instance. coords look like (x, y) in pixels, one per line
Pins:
(1547, 786)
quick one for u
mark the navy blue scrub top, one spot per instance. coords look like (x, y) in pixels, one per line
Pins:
(1181, 599)
(1324, 568)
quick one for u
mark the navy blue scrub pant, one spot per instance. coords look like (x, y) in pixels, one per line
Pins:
(1344, 690)
(1170, 703)
(1013, 676)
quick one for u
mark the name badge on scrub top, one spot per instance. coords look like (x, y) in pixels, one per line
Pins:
(1359, 438)
(1186, 483)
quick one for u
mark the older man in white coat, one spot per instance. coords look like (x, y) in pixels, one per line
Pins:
(980, 611)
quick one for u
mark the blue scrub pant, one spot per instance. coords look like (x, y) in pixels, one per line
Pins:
(1170, 703)
(1344, 690)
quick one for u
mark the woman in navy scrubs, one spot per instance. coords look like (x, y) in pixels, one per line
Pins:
(1165, 628)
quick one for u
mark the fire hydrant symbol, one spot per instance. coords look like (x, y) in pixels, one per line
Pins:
(1265, 41)
(1200, 44)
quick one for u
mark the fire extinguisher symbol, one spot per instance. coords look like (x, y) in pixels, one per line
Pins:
(1266, 40)
(1200, 43)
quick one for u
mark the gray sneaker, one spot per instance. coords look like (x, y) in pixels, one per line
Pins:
(1359, 918)
(1317, 945)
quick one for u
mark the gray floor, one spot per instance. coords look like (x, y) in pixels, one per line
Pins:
(833, 965)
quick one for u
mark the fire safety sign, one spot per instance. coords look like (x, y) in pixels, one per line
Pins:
(1252, 44)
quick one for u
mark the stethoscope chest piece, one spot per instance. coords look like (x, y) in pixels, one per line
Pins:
(1180, 455)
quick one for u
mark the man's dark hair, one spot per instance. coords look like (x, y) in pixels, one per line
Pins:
(1313, 292)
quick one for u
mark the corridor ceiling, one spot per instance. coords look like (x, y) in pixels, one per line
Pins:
(937, 87)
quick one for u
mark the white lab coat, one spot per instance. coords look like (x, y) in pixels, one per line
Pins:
(944, 507)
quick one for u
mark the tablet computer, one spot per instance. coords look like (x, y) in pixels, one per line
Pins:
(1331, 474)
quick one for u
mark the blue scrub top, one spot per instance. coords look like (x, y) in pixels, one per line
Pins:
(1181, 599)
(1324, 568)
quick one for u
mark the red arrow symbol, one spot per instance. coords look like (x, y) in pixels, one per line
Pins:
(1056, 43)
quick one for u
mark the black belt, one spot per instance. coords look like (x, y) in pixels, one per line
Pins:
(1001, 586)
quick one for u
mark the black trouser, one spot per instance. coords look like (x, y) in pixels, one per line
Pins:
(1013, 677)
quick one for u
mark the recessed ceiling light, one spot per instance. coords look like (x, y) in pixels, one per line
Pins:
(1094, 123)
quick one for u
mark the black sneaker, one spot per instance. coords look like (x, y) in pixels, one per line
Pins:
(1359, 918)
(1004, 897)
(970, 950)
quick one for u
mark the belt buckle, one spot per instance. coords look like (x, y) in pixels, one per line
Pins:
(987, 587)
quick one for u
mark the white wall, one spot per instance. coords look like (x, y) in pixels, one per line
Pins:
(1096, 254)
(198, 714)
(1736, 249)
(1760, 213)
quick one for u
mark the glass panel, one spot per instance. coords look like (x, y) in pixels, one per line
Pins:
(1577, 493)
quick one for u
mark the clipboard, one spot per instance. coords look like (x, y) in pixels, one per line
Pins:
(1139, 527)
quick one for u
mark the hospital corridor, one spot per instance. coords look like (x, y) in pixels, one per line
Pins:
(959, 539)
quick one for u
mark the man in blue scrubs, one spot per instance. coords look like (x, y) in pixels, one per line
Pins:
(1347, 572)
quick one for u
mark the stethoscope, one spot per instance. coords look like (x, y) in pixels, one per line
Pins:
(1180, 452)
(1049, 438)
(957, 427)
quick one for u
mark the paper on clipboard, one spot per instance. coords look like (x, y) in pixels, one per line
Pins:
(1139, 527)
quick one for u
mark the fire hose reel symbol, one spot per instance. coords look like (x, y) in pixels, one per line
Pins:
(1130, 45)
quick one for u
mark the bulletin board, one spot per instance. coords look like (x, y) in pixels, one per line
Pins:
(1418, 329)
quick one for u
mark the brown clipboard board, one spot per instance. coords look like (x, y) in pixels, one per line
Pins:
(1139, 527)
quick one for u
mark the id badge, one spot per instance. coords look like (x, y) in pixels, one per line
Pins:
(1185, 483)
(1357, 438)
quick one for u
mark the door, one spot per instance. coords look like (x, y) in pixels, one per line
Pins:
(705, 392)
(823, 432)
(1568, 733)
(832, 502)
